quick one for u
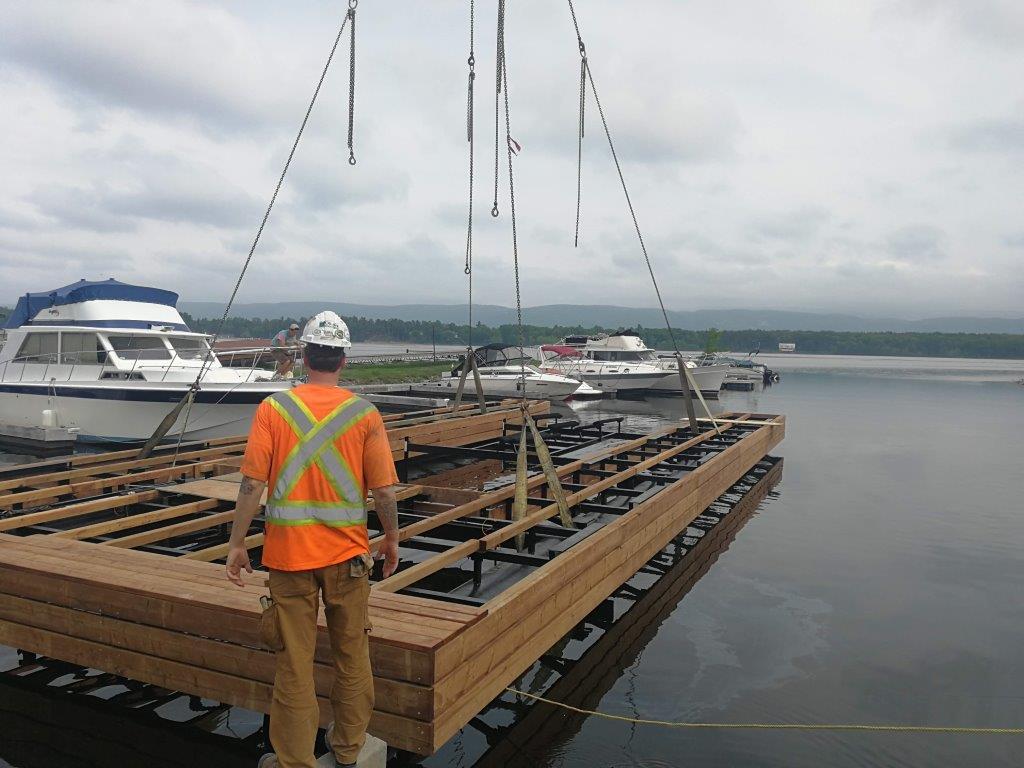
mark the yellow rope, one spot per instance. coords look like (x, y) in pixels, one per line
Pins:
(778, 726)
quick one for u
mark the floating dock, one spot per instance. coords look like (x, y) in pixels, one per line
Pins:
(123, 577)
(41, 441)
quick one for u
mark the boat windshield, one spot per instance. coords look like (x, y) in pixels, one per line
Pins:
(140, 347)
(624, 356)
(190, 347)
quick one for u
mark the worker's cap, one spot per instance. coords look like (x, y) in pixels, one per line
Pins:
(293, 327)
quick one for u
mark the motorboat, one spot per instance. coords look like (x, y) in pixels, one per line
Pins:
(743, 373)
(110, 360)
(600, 372)
(623, 360)
(502, 373)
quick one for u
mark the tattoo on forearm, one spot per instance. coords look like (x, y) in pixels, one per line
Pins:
(248, 487)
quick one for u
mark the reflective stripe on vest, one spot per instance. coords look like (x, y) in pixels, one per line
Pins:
(317, 446)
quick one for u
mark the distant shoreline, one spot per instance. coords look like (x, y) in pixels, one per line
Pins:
(992, 346)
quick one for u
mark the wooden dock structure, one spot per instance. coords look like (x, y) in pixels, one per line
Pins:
(109, 562)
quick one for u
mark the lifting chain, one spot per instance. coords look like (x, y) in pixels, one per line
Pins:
(351, 79)
(499, 76)
(471, 61)
(581, 127)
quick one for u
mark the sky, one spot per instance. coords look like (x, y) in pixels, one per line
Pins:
(855, 156)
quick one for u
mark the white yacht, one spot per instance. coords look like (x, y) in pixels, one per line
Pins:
(624, 361)
(601, 369)
(501, 375)
(111, 360)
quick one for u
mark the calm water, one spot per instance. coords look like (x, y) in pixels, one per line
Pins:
(884, 583)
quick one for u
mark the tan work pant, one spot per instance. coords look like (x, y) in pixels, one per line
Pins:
(294, 712)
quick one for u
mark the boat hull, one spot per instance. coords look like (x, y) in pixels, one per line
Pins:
(708, 379)
(621, 382)
(107, 413)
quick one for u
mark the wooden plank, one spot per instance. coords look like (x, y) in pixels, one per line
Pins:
(407, 733)
(169, 531)
(134, 521)
(405, 699)
(163, 474)
(76, 510)
(214, 488)
(224, 613)
(123, 466)
(416, 572)
(84, 459)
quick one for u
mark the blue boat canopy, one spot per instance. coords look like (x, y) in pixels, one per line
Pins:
(31, 304)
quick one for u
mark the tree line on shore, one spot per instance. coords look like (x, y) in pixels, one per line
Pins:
(905, 344)
(991, 345)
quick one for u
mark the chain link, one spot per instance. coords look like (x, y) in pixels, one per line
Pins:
(352, 79)
(499, 67)
(582, 122)
(468, 269)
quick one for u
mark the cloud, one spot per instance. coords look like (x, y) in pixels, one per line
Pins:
(826, 156)
(997, 135)
(103, 209)
(917, 243)
(80, 208)
(791, 226)
(998, 22)
(172, 58)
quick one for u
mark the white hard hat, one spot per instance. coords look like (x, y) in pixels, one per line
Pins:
(327, 330)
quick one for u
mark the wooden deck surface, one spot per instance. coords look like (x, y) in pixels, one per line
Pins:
(176, 622)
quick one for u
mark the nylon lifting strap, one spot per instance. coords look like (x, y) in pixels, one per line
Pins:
(316, 447)
(470, 365)
(519, 502)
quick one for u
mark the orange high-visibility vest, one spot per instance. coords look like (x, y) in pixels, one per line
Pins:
(317, 470)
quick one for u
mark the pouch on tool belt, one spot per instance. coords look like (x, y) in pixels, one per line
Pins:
(270, 627)
(360, 566)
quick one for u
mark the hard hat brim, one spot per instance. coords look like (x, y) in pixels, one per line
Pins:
(332, 343)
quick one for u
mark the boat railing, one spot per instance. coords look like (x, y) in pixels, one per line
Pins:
(55, 363)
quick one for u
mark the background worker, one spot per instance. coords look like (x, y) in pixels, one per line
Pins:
(286, 346)
(318, 448)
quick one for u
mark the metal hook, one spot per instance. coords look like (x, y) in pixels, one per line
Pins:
(351, 158)
(352, 4)
(494, 211)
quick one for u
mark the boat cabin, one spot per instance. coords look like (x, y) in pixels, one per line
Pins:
(100, 330)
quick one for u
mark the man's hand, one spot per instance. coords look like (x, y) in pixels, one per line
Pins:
(387, 512)
(389, 551)
(238, 560)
